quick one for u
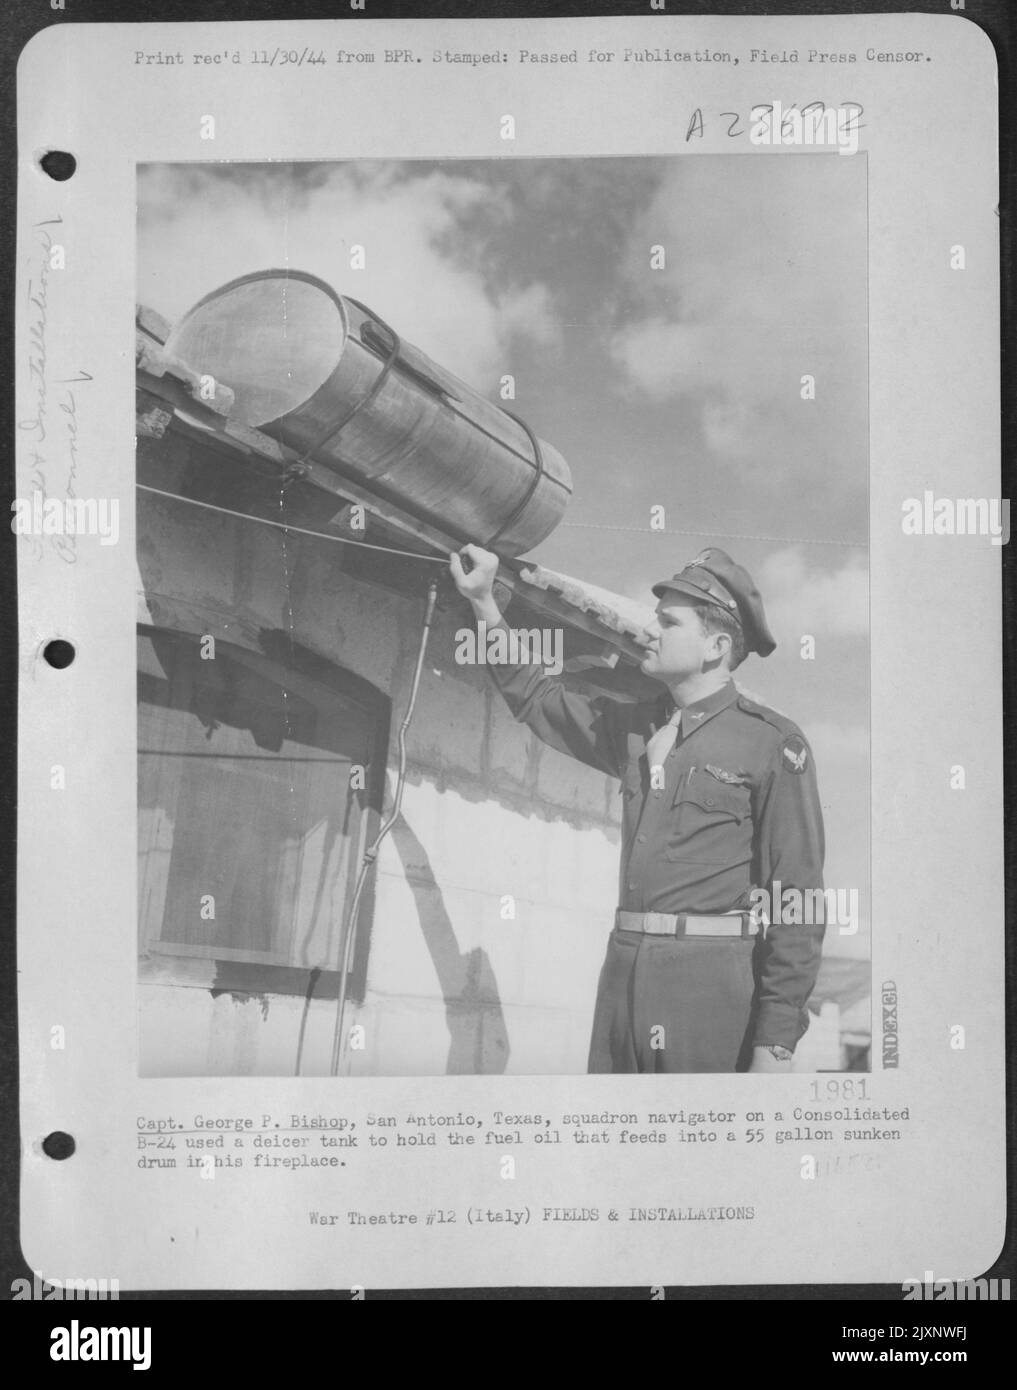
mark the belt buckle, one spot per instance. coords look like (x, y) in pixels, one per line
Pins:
(722, 924)
(660, 923)
(713, 924)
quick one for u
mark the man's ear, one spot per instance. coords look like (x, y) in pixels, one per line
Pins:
(722, 643)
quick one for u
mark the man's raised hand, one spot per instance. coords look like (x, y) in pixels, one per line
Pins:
(477, 582)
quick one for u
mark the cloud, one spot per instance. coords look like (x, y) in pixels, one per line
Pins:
(661, 359)
(763, 284)
(529, 313)
(803, 598)
(799, 595)
(201, 226)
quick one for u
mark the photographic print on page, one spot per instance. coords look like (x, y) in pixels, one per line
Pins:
(495, 785)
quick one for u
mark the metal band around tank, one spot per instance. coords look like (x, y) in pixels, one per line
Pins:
(538, 473)
(379, 382)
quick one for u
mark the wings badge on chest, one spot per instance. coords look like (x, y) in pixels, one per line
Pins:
(732, 779)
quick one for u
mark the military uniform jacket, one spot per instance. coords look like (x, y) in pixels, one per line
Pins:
(733, 807)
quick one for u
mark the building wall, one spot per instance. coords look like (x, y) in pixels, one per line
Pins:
(494, 892)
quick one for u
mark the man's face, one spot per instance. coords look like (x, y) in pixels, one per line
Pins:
(678, 647)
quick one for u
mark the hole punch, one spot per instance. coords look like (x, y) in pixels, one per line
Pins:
(58, 164)
(59, 653)
(58, 1145)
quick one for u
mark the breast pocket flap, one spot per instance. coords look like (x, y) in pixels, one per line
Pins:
(715, 802)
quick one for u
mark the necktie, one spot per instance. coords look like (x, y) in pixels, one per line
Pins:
(658, 747)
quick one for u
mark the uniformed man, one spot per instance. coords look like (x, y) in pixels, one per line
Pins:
(719, 801)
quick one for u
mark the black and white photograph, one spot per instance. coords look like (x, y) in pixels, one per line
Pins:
(510, 539)
(593, 383)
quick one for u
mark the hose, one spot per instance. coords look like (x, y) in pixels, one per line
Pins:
(371, 853)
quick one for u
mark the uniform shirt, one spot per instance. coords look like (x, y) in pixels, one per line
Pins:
(738, 809)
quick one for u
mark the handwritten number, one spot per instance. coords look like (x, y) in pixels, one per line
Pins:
(786, 129)
(852, 120)
(731, 128)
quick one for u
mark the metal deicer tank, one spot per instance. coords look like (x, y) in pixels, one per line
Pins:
(325, 376)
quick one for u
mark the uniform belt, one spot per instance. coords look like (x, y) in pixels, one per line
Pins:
(740, 924)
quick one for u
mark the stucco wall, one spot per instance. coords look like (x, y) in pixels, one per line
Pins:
(455, 982)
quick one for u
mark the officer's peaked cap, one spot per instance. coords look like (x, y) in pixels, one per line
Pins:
(713, 577)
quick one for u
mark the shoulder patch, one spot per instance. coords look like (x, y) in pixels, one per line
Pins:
(794, 754)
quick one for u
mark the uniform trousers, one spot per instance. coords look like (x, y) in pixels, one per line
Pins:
(675, 1004)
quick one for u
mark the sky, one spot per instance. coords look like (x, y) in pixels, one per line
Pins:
(674, 386)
